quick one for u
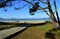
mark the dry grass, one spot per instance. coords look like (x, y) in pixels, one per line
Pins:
(34, 32)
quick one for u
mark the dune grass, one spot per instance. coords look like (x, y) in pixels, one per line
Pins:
(34, 32)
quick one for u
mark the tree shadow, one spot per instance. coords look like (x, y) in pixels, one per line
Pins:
(49, 35)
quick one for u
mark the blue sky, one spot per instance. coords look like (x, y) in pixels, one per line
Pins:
(24, 13)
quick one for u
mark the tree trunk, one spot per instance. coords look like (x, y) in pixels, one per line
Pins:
(55, 23)
(56, 12)
(52, 16)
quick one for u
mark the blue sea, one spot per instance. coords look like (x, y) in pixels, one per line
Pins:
(46, 19)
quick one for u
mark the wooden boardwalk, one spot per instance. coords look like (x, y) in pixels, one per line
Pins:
(7, 32)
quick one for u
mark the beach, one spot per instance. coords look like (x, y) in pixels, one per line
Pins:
(27, 21)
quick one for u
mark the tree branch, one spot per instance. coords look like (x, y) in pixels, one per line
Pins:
(46, 13)
(21, 7)
(43, 2)
(28, 2)
(56, 12)
(40, 8)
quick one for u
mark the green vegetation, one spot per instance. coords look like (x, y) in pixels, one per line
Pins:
(7, 25)
(2, 27)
